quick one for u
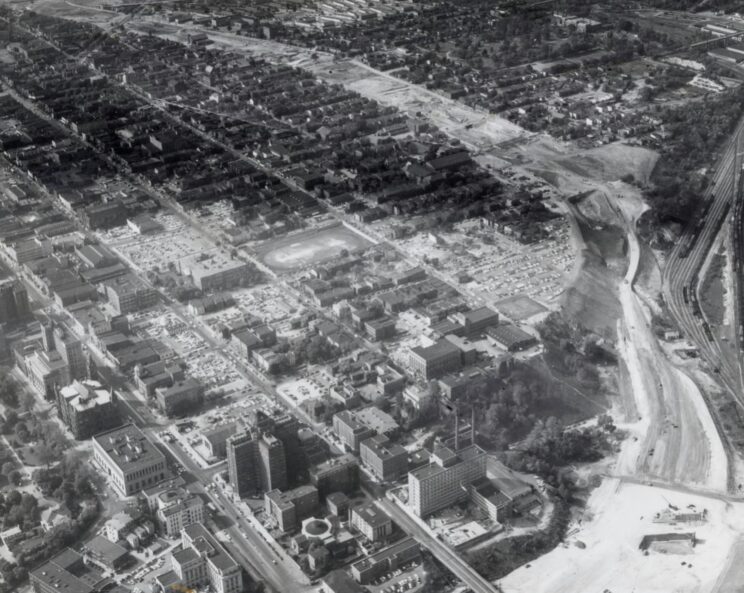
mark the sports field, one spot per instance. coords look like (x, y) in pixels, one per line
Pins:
(310, 248)
(519, 307)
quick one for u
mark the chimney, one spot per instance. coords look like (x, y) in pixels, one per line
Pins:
(457, 429)
(472, 425)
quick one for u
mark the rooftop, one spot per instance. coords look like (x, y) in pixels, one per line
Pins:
(383, 555)
(371, 515)
(381, 446)
(509, 335)
(66, 573)
(85, 395)
(205, 263)
(128, 447)
(377, 420)
(206, 544)
(436, 351)
(127, 283)
(444, 458)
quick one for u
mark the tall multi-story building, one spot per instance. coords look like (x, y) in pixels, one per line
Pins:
(444, 481)
(351, 430)
(131, 462)
(291, 507)
(386, 460)
(71, 351)
(148, 377)
(87, 408)
(340, 474)
(201, 560)
(14, 303)
(175, 507)
(273, 463)
(243, 464)
(128, 293)
(47, 372)
(434, 361)
(180, 397)
(286, 428)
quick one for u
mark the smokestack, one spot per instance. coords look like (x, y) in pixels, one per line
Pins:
(472, 425)
(457, 429)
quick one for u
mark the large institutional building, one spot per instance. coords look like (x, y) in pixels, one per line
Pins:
(386, 460)
(174, 506)
(256, 464)
(431, 362)
(87, 408)
(200, 561)
(129, 459)
(446, 479)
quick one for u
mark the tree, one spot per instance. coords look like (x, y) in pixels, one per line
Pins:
(8, 390)
(22, 433)
(11, 417)
(7, 468)
(15, 477)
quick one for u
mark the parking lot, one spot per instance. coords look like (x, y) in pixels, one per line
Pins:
(410, 577)
(496, 265)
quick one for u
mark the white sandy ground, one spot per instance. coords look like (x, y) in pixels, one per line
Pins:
(617, 516)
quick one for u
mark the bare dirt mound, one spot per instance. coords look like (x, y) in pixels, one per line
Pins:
(592, 297)
(613, 162)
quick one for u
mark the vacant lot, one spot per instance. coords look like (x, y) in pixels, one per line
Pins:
(601, 552)
(312, 247)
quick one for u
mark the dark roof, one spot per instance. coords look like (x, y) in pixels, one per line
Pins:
(436, 350)
(108, 551)
(510, 335)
